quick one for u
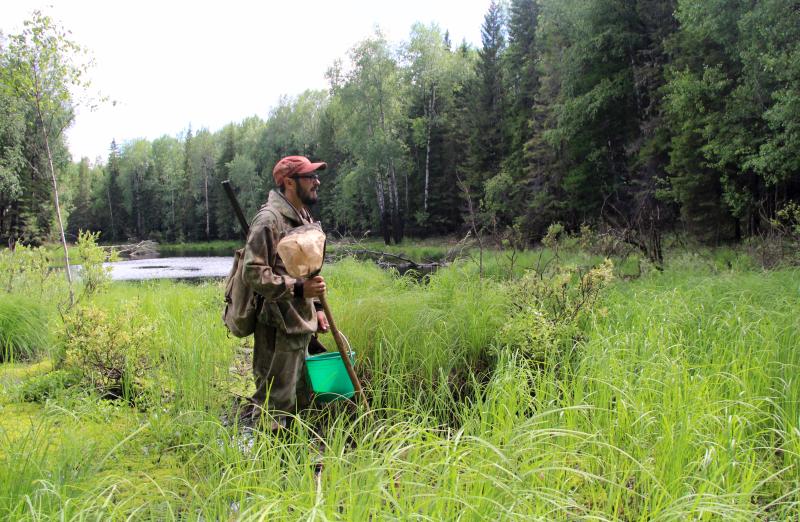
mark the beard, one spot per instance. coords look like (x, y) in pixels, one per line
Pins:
(307, 196)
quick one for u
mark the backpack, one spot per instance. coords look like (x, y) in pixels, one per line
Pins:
(241, 303)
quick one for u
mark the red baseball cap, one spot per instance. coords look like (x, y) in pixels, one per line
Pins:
(291, 165)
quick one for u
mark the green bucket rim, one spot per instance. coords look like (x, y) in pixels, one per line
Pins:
(327, 355)
(329, 395)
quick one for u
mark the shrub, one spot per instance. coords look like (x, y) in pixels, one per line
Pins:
(530, 333)
(23, 328)
(29, 270)
(110, 352)
(778, 245)
(604, 243)
(548, 306)
(94, 275)
(41, 387)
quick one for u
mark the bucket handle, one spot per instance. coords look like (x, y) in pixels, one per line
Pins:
(346, 340)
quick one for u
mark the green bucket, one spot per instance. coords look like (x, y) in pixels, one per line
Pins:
(328, 376)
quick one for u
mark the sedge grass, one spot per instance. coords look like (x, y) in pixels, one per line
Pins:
(680, 403)
(193, 351)
(23, 328)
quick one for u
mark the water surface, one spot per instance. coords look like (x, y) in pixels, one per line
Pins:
(170, 268)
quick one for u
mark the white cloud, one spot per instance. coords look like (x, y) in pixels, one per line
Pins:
(170, 64)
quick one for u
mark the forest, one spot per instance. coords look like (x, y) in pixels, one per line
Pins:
(636, 117)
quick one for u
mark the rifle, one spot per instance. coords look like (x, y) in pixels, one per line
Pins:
(237, 209)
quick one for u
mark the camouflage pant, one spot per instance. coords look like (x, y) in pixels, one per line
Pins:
(279, 369)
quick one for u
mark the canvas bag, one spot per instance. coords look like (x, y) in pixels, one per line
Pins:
(241, 303)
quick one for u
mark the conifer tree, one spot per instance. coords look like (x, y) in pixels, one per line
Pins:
(488, 143)
(522, 79)
(80, 218)
(186, 201)
(226, 226)
(117, 223)
(12, 166)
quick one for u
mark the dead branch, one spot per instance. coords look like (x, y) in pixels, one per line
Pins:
(140, 249)
(381, 255)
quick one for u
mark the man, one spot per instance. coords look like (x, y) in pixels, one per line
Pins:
(291, 311)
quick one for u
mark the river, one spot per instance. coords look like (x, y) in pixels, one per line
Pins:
(170, 268)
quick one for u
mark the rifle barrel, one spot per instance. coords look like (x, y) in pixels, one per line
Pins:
(237, 209)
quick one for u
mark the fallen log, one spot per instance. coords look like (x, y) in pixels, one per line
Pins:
(382, 259)
(378, 255)
(146, 248)
(422, 269)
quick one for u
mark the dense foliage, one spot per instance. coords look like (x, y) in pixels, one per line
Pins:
(640, 116)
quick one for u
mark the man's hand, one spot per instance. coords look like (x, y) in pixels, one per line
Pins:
(314, 287)
(322, 322)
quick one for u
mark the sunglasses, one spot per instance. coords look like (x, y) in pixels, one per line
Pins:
(307, 176)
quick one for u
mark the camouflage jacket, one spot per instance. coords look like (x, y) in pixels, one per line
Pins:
(265, 272)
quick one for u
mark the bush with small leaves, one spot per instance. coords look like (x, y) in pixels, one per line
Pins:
(29, 270)
(94, 274)
(603, 243)
(779, 244)
(111, 352)
(548, 306)
(530, 333)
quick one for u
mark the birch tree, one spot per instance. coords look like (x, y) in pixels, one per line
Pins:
(373, 106)
(42, 67)
(433, 74)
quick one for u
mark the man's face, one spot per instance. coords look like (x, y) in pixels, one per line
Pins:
(306, 187)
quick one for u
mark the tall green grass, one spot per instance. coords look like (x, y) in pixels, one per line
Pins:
(680, 402)
(690, 379)
(413, 338)
(23, 328)
(193, 351)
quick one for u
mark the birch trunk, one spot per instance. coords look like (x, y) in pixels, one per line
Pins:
(58, 208)
(205, 191)
(429, 116)
(111, 214)
(380, 190)
(394, 199)
(137, 181)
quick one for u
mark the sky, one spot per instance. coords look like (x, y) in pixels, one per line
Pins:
(170, 64)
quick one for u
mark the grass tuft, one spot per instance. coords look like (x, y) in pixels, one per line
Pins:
(23, 329)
